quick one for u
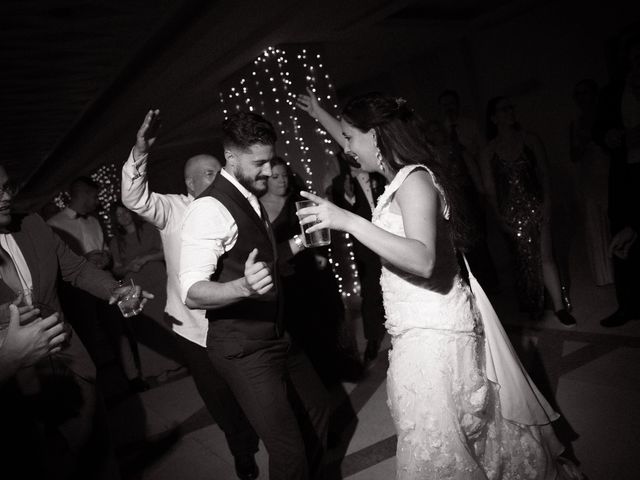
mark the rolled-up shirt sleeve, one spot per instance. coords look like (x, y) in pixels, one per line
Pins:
(208, 231)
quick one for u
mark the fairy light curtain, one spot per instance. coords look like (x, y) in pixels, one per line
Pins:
(269, 86)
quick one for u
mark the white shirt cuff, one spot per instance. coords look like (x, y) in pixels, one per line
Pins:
(135, 168)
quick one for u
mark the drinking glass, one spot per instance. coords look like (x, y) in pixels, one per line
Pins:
(319, 238)
(129, 304)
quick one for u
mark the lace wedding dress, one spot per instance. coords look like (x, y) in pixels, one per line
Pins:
(463, 406)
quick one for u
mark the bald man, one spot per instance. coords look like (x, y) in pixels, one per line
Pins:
(166, 212)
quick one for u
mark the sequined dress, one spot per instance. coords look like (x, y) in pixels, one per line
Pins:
(453, 377)
(519, 196)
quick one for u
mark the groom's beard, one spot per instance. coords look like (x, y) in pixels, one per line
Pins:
(256, 185)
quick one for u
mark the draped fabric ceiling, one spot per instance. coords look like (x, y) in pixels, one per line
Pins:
(79, 75)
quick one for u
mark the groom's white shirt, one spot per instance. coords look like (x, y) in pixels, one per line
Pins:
(208, 231)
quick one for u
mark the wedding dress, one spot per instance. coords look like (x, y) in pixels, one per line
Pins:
(463, 406)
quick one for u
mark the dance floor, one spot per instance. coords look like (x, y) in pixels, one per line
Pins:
(591, 374)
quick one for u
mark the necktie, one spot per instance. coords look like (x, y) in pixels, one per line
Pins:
(9, 272)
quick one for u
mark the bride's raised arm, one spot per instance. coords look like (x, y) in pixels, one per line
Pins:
(309, 103)
(418, 203)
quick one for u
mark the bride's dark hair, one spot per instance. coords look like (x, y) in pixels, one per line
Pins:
(401, 138)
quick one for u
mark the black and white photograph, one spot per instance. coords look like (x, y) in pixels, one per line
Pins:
(320, 240)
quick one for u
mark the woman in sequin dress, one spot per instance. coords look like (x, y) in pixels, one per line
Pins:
(462, 404)
(517, 186)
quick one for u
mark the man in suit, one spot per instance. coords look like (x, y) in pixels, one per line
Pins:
(228, 266)
(358, 191)
(618, 130)
(53, 422)
(166, 213)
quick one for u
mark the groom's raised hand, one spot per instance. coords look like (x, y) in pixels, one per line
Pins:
(257, 276)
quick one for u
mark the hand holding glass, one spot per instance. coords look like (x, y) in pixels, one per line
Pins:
(320, 237)
(130, 302)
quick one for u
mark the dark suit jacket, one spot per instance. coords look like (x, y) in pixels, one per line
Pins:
(47, 257)
(624, 179)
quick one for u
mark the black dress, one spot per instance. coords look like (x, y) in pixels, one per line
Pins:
(314, 312)
(520, 204)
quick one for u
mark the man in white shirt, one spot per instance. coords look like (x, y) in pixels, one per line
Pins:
(166, 213)
(228, 266)
(78, 227)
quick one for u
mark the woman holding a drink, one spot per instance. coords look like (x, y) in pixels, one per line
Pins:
(463, 406)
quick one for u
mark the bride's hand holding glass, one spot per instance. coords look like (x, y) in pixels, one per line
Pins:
(324, 215)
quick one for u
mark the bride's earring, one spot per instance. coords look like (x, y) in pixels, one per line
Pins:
(378, 155)
(380, 162)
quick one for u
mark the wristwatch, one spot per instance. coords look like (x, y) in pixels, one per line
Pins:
(297, 239)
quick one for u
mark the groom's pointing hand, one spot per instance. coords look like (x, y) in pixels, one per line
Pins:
(257, 276)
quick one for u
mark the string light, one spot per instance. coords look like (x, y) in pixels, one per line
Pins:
(278, 75)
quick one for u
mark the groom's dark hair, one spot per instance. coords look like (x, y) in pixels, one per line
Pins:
(243, 129)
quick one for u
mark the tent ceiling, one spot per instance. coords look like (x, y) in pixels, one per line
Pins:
(78, 75)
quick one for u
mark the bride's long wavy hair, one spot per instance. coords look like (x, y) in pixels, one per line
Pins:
(401, 138)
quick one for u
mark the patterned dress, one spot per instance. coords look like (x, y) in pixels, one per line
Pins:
(446, 403)
(519, 196)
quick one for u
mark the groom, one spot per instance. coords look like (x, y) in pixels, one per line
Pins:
(228, 266)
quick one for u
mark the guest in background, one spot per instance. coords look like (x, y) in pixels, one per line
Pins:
(467, 174)
(462, 131)
(358, 192)
(78, 226)
(518, 188)
(592, 162)
(618, 130)
(313, 320)
(137, 254)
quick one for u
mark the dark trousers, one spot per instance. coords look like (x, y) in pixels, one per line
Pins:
(628, 281)
(372, 309)
(283, 398)
(219, 399)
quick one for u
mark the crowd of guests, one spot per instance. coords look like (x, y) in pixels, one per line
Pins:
(162, 244)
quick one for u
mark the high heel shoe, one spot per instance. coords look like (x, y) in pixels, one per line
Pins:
(565, 318)
(566, 301)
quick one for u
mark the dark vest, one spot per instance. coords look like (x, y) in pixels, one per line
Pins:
(252, 318)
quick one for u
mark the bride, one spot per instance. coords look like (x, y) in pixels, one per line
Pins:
(463, 406)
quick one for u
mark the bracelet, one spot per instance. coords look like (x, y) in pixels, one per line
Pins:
(297, 239)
